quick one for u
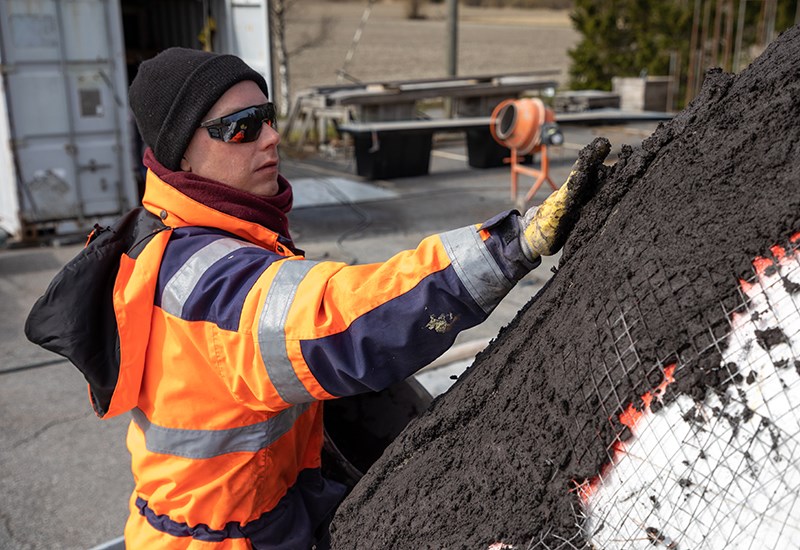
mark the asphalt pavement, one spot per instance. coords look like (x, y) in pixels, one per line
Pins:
(65, 476)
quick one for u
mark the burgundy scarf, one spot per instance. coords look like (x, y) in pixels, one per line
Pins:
(269, 212)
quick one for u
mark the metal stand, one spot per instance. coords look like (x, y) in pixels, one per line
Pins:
(542, 175)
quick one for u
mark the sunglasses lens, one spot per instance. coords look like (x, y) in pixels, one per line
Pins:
(244, 130)
(245, 125)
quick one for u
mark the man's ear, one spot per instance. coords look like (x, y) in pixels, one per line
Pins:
(185, 166)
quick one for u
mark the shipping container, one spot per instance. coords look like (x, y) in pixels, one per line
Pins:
(71, 154)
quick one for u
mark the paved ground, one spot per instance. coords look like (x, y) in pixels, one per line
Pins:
(64, 476)
(392, 47)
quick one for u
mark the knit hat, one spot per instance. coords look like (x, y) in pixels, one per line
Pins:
(174, 91)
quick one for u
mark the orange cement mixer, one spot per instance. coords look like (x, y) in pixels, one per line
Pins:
(526, 126)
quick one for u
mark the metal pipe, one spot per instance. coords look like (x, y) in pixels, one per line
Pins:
(673, 75)
(354, 43)
(452, 37)
(703, 65)
(769, 23)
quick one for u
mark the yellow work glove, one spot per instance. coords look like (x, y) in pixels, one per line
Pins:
(545, 228)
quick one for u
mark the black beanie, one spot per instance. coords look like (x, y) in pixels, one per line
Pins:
(174, 91)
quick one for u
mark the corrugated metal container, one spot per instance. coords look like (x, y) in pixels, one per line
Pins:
(69, 155)
(66, 122)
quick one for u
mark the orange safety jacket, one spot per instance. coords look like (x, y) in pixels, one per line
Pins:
(227, 341)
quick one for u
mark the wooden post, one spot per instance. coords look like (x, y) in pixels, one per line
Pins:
(726, 56)
(703, 64)
(452, 50)
(452, 37)
(717, 33)
(737, 53)
(769, 23)
(693, 52)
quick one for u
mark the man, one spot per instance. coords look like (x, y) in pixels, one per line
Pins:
(199, 315)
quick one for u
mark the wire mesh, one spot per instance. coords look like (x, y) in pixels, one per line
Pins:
(718, 471)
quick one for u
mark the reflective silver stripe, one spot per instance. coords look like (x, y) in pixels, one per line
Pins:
(272, 330)
(181, 285)
(476, 267)
(211, 443)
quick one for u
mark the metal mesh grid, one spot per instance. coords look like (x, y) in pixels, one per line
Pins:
(716, 470)
(719, 472)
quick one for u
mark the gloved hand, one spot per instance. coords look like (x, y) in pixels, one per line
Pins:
(544, 229)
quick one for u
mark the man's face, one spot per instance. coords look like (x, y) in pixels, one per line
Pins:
(251, 167)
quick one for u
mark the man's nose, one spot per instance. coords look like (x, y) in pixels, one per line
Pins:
(269, 136)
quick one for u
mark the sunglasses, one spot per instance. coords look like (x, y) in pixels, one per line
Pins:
(242, 126)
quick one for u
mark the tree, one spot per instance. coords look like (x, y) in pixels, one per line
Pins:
(278, 14)
(634, 37)
(626, 38)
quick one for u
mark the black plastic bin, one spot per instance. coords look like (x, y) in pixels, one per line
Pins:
(386, 155)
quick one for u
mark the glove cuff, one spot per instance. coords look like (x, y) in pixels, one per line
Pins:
(523, 221)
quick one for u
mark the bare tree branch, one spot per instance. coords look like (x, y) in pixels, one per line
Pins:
(278, 11)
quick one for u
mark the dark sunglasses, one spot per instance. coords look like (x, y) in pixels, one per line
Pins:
(242, 126)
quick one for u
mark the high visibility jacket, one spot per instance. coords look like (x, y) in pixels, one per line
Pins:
(228, 341)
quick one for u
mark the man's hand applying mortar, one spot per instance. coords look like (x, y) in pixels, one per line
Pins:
(545, 228)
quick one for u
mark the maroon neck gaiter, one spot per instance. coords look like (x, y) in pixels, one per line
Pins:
(269, 212)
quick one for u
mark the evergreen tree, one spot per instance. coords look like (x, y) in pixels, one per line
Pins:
(636, 37)
(627, 38)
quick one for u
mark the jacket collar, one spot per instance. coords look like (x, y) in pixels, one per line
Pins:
(178, 210)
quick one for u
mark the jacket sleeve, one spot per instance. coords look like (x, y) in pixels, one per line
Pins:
(320, 330)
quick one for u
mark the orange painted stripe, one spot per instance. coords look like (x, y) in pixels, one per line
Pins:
(630, 418)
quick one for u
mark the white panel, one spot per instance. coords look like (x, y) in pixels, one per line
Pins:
(9, 203)
(248, 22)
(92, 100)
(33, 30)
(99, 178)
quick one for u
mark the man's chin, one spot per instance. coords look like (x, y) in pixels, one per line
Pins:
(268, 188)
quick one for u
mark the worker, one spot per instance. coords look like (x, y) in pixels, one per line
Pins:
(199, 315)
